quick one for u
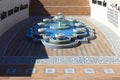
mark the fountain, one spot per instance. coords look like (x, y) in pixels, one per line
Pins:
(59, 16)
(63, 33)
(60, 22)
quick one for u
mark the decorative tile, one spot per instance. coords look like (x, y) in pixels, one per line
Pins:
(62, 60)
(109, 71)
(11, 70)
(69, 70)
(89, 70)
(30, 70)
(50, 70)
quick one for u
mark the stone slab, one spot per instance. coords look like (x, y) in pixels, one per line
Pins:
(109, 71)
(69, 71)
(89, 71)
(30, 70)
(50, 70)
(10, 70)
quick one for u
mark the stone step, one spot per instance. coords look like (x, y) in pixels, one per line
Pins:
(64, 2)
(65, 10)
(52, 7)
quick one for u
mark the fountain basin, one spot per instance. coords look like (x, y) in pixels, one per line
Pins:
(42, 30)
(41, 24)
(79, 24)
(79, 30)
(84, 34)
(60, 36)
(60, 41)
(46, 20)
(62, 27)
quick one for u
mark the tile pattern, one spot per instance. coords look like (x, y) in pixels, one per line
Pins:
(61, 60)
(111, 36)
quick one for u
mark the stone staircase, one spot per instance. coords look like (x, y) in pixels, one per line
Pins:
(52, 7)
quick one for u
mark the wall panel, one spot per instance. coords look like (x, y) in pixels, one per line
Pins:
(11, 20)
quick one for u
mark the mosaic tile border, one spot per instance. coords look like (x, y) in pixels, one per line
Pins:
(61, 60)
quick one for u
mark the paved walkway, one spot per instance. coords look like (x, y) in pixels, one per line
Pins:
(111, 36)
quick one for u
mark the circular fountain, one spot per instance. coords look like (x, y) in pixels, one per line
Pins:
(59, 32)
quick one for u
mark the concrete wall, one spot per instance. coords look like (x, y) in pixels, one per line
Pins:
(99, 13)
(15, 18)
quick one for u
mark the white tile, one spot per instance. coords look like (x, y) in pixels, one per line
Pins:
(89, 70)
(109, 71)
(30, 70)
(69, 70)
(50, 70)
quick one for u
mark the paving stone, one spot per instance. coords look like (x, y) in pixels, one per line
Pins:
(89, 71)
(69, 71)
(10, 70)
(30, 70)
(50, 70)
(109, 71)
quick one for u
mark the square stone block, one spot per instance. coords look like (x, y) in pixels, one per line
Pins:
(109, 71)
(30, 70)
(69, 70)
(89, 71)
(11, 70)
(50, 70)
